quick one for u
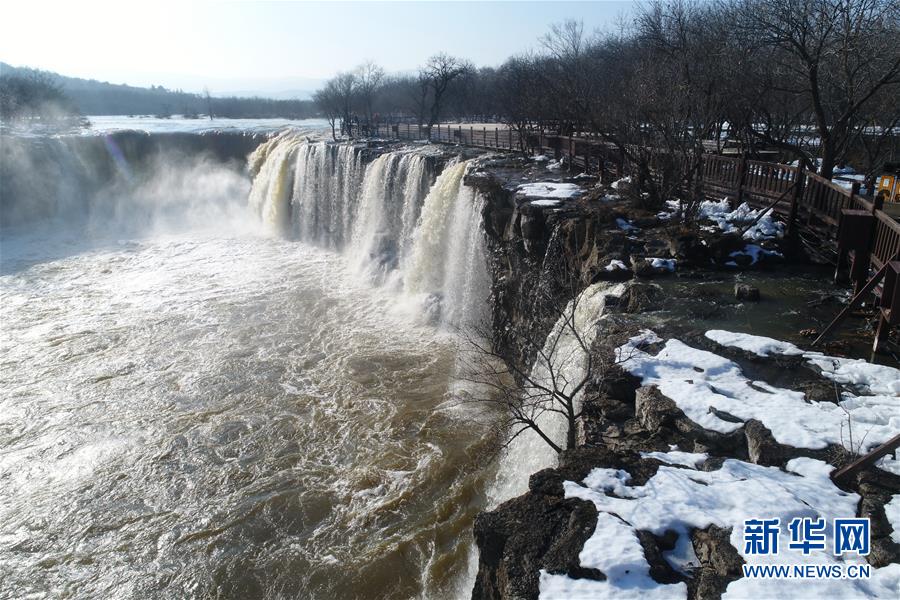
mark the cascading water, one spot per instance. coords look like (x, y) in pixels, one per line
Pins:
(447, 259)
(528, 453)
(82, 179)
(394, 226)
(393, 189)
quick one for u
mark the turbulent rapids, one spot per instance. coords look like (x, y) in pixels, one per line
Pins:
(192, 406)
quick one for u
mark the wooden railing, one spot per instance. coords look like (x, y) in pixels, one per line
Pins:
(803, 197)
(886, 244)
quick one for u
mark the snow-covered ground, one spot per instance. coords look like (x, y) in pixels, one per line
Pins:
(701, 382)
(550, 189)
(729, 221)
(680, 497)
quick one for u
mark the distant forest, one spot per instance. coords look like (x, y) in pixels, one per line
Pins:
(92, 97)
(809, 78)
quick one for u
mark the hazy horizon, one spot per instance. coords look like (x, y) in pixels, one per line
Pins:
(277, 49)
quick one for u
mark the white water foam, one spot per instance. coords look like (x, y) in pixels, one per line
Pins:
(397, 229)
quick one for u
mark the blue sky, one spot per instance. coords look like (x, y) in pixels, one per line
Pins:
(271, 46)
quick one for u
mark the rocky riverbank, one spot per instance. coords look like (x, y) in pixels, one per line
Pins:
(694, 427)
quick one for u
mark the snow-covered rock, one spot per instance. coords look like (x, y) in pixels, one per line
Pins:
(550, 189)
(703, 384)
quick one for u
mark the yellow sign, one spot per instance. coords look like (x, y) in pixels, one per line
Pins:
(890, 186)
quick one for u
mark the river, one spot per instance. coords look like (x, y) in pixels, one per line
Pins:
(197, 405)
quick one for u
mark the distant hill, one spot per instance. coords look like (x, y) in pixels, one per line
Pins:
(92, 97)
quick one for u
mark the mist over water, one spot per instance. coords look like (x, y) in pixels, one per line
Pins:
(199, 400)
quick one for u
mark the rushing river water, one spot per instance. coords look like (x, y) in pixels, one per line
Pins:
(199, 408)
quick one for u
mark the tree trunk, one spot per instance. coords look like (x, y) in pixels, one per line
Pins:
(828, 158)
(570, 434)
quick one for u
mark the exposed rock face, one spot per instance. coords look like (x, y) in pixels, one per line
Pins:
(532, 249)
(720, 563)
(544, 531)
(537, 531)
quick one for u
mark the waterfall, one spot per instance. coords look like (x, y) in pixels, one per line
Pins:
(306, 188)
(446, 265)
(394, 226)
(270, 195)
(391, 199)
(528, 453)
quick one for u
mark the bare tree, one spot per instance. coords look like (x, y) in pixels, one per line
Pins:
(440, 73)
(369, 77)
(836, 56)
(345, 87)
(518, 105)
(208, 98)
(330, 102)
(566, 369)
(35, 96)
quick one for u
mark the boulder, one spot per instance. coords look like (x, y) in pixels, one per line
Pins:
(641, 297)
(511, 553)
(761, 445)
(653, 409)
(746, 293)
(714, 550)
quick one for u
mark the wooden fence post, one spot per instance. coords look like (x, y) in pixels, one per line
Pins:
(741, 179)
(799, 180)
(859, 269)
(571, 152)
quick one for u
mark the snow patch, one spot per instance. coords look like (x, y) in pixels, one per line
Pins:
(554, 165)
(625, 225)
(757, 344)
(547, 203)
(889, 464)
(549, 189)
(876, 379)
(720, 385)
(667, 264)
(682, 499)
(620, 184)
(892, 510)
(616, 551)
(754, 252)
(675, 457)
(615, 265)
(730, 221)
(673, 207)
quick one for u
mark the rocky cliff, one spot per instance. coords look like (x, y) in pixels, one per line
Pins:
(539, 254)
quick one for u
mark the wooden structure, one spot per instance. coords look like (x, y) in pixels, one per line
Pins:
(867, 460)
